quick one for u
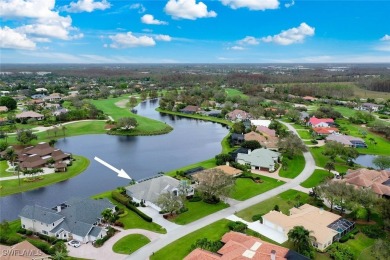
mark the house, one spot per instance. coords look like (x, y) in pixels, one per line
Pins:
(150, 189)
(60, 111)
(377, 181)
(54, 97)
(237, 151)
(325, 226)
(241, 246)
(266, 131)
(214, 113)
(3, 109)
(30, 114)
(41, 90)
(303, 116)
(38, 156)
(238, 115)
(259, 159)
(227, 169)
(309, 98)
(320, 122)
(269, 142)
(22, 251)
(261, 122)
(236, 139)
(369, 107)
(38, 96)
(77, 219)
(325, 130)
(346, 140)
(190, 109)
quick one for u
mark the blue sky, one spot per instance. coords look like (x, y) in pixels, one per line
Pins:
(192, 31)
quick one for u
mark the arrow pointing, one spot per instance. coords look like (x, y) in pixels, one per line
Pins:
(121, 172)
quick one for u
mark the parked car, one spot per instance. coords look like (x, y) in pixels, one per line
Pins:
(74, 243)
(339, 208)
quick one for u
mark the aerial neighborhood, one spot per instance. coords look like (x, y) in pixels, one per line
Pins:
(194, 163)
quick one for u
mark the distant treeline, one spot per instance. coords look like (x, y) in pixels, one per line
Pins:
(382, 85)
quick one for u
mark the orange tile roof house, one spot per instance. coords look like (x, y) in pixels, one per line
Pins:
(238, 115)
(377, 181)
(325, 130)
(327, 227)
(269, 142)
(265, 130)
(22, 251)
(3, 109)
(241, 246)
(30, 114)
(320, 122)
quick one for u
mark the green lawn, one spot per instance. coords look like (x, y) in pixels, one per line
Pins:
(3, 167)
(246, 188)
(304, 134)
(294, 167)
(197, 210)
(178, 249)
(207, 164)
(321, 159)
(131, 219)
(285, 201)
(316, 178)
(146, 126)
(359, 243)
(130, 243)
(231, 92)
(12, 186)
(345, 111)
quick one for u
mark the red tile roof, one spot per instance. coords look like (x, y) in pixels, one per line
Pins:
(316, 121)
(325, 130)
(369, 179)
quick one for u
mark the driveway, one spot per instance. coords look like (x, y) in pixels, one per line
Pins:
(159, 219)
(88, 251)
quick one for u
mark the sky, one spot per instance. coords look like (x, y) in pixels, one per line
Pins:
(193, 31)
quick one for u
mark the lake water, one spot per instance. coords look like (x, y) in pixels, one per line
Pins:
(366, 160)
(191, 141)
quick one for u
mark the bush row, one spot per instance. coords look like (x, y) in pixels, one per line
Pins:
(126, 202)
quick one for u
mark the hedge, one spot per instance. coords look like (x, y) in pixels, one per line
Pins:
(120, 198)
(126, 202)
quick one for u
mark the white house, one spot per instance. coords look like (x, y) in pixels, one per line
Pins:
(149, 190)
(76, 219)
(259, 159)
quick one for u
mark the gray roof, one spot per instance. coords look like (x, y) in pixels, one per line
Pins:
(303, 114)
(151, 189)
(40, 214)
(343, 139)
(260, 157)
(95, 231)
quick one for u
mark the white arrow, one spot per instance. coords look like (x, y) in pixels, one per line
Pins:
(121, 172)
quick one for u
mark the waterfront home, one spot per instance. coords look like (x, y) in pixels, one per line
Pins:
(266, 131)
(270, 142)
(259, 159)
(241, 246)
(346, 140)
(77, 219)
(226, 169)
(261, 122)
(369, 107)
(326, 227)
(24, 116)
(236, 139)
(149, 190)
(190, 109)
(238, 115)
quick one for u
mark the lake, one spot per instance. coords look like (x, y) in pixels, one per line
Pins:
(191, 141)
(366, 160)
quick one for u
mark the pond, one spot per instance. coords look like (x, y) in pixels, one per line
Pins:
(191, 141)
(366, 160)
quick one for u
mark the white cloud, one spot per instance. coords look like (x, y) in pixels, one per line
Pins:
(128, 40)
(28, 9)
(237, 48)
(141, 9)
(149, 19)
(252, 4)
(385, 38)
(164, 38)
(11, 39)
(147, 30)
(87, 6)
(188, 9)
(248, 40)
(291, 36)
(287, 5)
(53, 28)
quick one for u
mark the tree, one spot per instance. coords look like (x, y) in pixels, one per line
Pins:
(10, 155)
(302, 240)
(238, 128)
(169, 202)
(367, 199)
(25, 136)
(107, 215)
(382, 162)
(293, 115)
(252, 145)
(214, 184)
(329, 166)
(61, 251)
(205, 244)
(133, 101)
(292, 145)
(381, 249)
(9, 102)
(52, 142)
(127, 123)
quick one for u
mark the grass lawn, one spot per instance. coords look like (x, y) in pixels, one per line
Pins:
(294, 167)
(381, 148)
(12, 186)
(321, 159)
(197, 210)
(178, 249)
(231, 92)
(145, 125)
(316, 178)
(207, 164)
(130, 243)
(345, 111)
(304, 133)
(285, 201)
(246, 188)
(131, 219)
(359, 243)
(3, 167)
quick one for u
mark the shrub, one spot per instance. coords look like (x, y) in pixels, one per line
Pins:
(208, 245)
(119, 224)
(195, 199)
(257, 217)
(314, 141)
(21, 231)
(140, 213)
(276, 208)
(183, 209)
(339, 251)
(116, 195)
(29, 232)
(13, 239)
(373, 231)
(45, 247)
(237, 226)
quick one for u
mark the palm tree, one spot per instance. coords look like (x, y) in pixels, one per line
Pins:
(301, 239)
(107, 215)
(10, 155)
(59, 255)
(329, 166)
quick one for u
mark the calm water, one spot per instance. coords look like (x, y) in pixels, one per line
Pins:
(366, 160)
(143, 156)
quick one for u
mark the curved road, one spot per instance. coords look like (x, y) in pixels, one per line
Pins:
(164, 240)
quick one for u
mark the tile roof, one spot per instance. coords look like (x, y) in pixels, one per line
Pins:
(315, 121)
(22, 251)
(270, 142)
(325, 130)
(28, 114)
(343, 139)
(266, 130)
(369, 179)
(237, 113)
